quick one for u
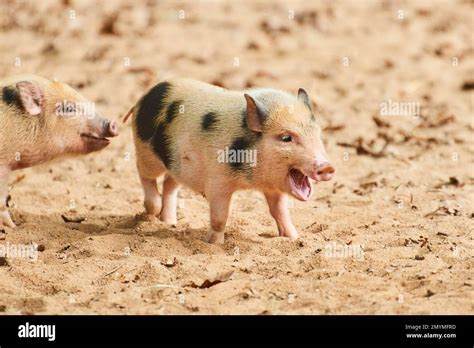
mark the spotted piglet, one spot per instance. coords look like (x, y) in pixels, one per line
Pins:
(218, 141)
(41, 120)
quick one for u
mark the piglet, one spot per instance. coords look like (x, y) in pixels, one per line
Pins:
(41, 120)
(218, 141)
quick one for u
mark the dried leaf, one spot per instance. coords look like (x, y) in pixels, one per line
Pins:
(453, 181)
(444, 211)
(429, 293)
(440, 121)
(364, 149)
(219, 278)
(330, 128)
(380, 123)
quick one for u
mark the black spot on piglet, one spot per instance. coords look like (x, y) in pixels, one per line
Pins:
(173, 110)
(161, 144)
(209, 121)
(150, 106)
(245, 143)
(11, 97)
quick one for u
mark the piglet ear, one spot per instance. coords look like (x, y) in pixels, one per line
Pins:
(303, 96)
(31, 97)
(256, 114)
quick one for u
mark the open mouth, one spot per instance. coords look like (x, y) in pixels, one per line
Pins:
(300, 185)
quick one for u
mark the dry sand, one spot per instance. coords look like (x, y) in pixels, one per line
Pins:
(403, 192)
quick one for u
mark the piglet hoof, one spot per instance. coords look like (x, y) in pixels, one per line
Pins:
(293, 236)
(169, 220)
(6, 220)
(148, 217)
(153, 207)
(290, 233)
(214, 237)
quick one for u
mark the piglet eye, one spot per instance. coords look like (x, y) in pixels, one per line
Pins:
(286, 138)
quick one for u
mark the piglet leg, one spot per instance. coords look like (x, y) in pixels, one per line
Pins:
(278, 204)
(219, 201)
(5, 218)
(152, 196)
(170, 200)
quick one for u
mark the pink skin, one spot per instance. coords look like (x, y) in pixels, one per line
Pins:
(152, 196)
(219, 194)
(62, 135)
(322, 169)
(169, 201)
(319, 170)
(94, 134)
(278, 204)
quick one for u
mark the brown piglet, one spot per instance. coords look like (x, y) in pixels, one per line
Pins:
(41, 120)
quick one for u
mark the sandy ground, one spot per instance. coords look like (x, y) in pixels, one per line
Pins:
(392, 233)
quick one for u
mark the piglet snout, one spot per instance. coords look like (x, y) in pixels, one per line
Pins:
(324, 172)
(111, 129)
